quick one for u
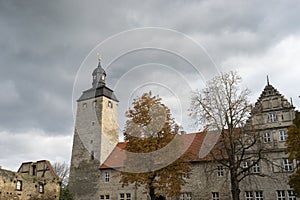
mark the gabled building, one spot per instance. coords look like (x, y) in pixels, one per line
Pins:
(33, 181)
(97, 156)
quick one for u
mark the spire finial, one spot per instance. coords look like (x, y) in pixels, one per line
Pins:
(99, 57)
(268, 80)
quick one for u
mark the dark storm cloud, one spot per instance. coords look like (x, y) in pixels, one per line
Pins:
(42, 44)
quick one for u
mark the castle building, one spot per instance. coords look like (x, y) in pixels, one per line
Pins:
(33, 181)
(95, 136)
(97, 155)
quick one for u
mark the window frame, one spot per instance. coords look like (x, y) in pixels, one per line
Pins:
(128, 196)
(272, 117)
(267, 137)
(41, 188)
(220, 171)
(215, 195)
(107, 177)
(110, 104)
(256, 168)
(291, 195)
(283, 135)
(281, 195)
(249, 195)
(181, 196)
(19, 185)
(288, 165)
(259, 195)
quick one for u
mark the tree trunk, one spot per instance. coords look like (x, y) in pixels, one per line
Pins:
(152, 193)
(235, 189)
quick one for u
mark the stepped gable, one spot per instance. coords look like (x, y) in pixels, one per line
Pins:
(269, 93)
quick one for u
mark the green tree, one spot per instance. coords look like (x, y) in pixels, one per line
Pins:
(224, 107)
(65, 194)
(293, 145)
(148, 130)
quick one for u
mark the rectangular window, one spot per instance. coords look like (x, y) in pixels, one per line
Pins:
(291, 195)
(215, 196)
(106, 177)
(94, 104)
(259, 195)
(128, 196)
(84, 105)
(107, 197)
(188, 196)
(267, 137)
(249, 195)
(245, 167)
(254, 195)
(186, 175)
(101, 196)
(220, 171)
(182, 196)
(287, 165)
(281, 195)
(122, 196)
(272, 117)
(256, 168)
(283, 135)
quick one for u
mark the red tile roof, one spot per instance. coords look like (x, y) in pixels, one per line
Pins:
(197, 146)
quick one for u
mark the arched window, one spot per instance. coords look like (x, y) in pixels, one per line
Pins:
(41, 188)
(19, 185)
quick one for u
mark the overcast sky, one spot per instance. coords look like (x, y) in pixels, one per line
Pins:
(44, 43)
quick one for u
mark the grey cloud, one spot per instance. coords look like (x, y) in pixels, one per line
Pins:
(43, 43)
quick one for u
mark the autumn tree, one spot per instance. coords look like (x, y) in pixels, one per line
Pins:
(223, 106)
(149, 131)
(293, 145)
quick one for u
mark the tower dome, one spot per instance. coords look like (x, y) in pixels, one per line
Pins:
(99, 76)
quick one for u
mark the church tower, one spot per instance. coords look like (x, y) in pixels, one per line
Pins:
(96, 134)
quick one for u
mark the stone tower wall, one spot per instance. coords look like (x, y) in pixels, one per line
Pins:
(96, 134)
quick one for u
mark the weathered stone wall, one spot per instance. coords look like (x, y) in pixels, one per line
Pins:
(84, 173)
(204, 180)
(271, 178)
(96, 135)
(109, 127)
(30, 186)
(114, 188)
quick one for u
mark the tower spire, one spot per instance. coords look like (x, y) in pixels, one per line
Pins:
(268, 83)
